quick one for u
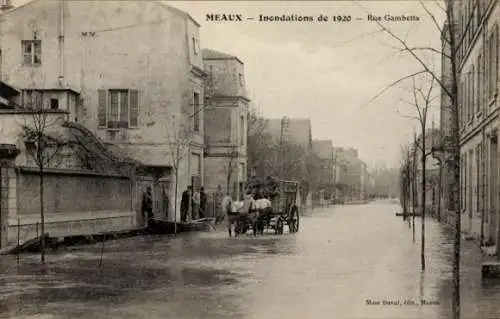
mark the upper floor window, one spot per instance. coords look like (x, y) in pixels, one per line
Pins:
(242, 131)
(241, 79)
(196, 111)
(32, 52)
(196, 46)
(118, 108)
(33, 99)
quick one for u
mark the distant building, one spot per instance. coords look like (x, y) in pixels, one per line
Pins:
(324, 170)
(225, 156)
(297, 131)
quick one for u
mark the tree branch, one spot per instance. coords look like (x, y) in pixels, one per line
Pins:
(391, 85)
(412, 53)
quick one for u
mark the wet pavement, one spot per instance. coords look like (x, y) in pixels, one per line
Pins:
(341, 258)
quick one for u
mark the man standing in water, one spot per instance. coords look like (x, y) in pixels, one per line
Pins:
(185, 201)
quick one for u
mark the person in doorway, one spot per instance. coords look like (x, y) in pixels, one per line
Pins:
(166, 204)
(147, 205)
(203, 203)
(185, 201)
(195, 205)
(219, 195)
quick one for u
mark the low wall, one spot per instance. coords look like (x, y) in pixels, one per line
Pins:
(68, 191)
(75, 203)
(72, 225)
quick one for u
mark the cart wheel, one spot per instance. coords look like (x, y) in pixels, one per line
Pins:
(294, 222)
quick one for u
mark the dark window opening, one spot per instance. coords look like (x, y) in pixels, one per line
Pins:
(54, 104)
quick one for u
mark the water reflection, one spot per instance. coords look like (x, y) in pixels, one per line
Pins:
(340, 258)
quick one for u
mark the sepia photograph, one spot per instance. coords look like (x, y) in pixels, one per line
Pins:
(249, 159)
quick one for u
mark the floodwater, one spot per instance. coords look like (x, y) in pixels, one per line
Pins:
(342, 259)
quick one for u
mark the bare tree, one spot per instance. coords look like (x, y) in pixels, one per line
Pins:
(405, 180)
(260, 146)
(449, 86)
(179, 137)
(422, 101)
(43, 144)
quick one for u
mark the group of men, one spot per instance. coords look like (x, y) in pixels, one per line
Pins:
(254, 208)
(194, 202)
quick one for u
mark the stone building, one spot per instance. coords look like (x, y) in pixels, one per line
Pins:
(296, 132)
(477, 36)
(102, 64)
(225, 155)
(323, 171)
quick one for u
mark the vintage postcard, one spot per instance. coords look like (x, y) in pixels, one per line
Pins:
(249, 159)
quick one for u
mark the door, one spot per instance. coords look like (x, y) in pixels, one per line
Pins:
(141, 186)
(493, 190)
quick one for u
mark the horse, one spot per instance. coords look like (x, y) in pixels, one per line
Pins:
(239, 214)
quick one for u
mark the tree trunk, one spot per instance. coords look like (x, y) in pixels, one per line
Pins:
(42, 216)
(175, 199)
(440, 191)
(455, 135)
(423, 204)
(414, 201)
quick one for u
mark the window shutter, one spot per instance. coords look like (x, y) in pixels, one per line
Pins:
(102, 107)
(134, 108)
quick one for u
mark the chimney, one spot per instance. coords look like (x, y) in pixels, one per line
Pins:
(6, 5)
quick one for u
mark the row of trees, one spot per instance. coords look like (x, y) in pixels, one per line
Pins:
(285, 159)
(422, 100)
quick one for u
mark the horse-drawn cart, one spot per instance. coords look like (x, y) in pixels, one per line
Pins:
(281, 209)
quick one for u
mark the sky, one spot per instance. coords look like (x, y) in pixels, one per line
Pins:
(329, 71)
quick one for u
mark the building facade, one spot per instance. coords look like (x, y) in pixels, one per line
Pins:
(226, 116)
(295, 133)
(477, 34)
(103, 64)
(323, 171)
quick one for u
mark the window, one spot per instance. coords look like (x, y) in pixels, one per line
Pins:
(478, 178)
(195, 164)
(32, 52)
(118, 108)
(54, 104)
(196, 46)
(33, 99)
(241, 79)
(473, 89)
(242, 130)
(478, 79)
(196, 111)
(469, 96)
(493, 63)
(242, 171)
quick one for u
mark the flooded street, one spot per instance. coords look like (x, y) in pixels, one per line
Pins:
(341, 258)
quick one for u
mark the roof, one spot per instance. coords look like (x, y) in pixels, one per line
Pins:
(54, 90)
(323, 148)
(295, 130)
(157, 2)
(7, 90)
(209, 54)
